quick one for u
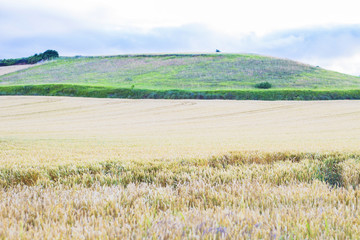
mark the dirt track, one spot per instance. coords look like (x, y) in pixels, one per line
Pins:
(10, 69)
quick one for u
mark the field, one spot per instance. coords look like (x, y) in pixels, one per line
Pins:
(182, 72)
(170, 169)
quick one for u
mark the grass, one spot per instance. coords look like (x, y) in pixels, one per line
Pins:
(193, 72)
(134, 93)
(181, 76)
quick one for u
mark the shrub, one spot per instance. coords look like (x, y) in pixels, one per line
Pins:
(263, 85)
(50, 54)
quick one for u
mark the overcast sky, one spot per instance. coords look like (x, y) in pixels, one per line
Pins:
(319, 32)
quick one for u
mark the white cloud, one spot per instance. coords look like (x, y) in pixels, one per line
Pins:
(321, 32)
(228, 16)
(348, 64)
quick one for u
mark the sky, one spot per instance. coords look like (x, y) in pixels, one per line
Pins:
(324, 33)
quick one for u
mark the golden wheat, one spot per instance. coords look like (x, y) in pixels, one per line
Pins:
(74, 168)
(52, 130)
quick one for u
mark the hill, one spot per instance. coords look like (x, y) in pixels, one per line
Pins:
(196, 74)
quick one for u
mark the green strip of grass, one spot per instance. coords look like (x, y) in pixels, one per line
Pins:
(112, 92)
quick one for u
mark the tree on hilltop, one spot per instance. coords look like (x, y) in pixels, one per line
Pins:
(47, 55)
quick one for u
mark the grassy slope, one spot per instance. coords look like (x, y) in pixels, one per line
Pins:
(193, 75)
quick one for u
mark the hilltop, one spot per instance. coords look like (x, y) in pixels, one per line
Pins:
(182, 73)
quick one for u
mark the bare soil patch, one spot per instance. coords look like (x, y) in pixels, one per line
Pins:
(10, 69)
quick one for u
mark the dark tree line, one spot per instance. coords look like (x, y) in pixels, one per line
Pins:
(48, 54)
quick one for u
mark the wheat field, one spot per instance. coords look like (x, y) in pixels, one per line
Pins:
(83, 168)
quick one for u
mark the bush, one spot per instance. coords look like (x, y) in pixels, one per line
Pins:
(263, 85)
(50, 54)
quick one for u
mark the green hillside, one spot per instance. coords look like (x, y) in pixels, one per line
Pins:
(190, 73)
